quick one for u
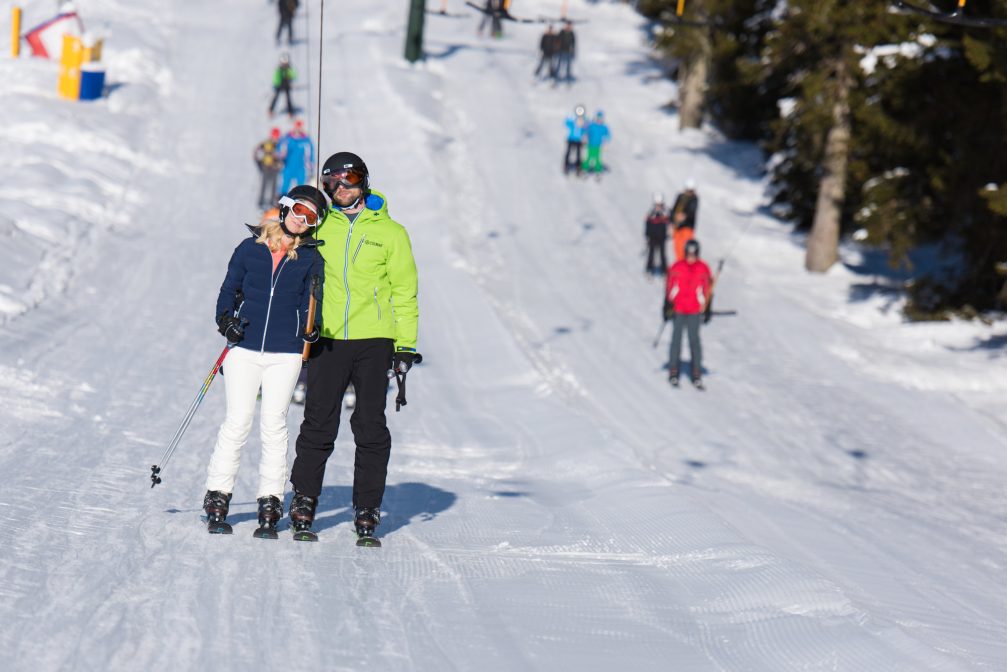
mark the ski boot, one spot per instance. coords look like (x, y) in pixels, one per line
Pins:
(215, 504)
(270, 512)
(673, 378)
(302, 515)
(697, 382)
(365, 520)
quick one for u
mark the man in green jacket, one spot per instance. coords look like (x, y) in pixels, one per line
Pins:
(369, 317)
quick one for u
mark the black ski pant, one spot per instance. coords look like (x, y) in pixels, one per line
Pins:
(546, 60)
(276, 96)
(655, 247)
(573, 147)
(267, 192)
(334, 364)
(288, 22)
(691, 324)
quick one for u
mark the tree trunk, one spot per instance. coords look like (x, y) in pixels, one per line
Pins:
(692, 80)
(823, 241)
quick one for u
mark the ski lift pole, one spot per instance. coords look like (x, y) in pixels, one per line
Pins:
(414, 31)
(155, 470)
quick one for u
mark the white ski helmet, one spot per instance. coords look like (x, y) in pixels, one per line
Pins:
(658, 198)
(690, 184)
(580, 110)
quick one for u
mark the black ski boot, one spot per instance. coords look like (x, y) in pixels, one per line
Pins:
(270, 512)
(302, 515)
(673, 378)
(365, 521)
(216, 504)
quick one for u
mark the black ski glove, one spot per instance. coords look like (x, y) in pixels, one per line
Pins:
(403, 361)
(668, 311)
(311, 336)
(231, 327)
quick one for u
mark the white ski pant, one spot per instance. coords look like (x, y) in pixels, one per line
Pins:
(244, 372)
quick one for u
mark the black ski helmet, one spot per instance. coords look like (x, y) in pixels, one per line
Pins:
(692, 246)
(308, 194)
(341, 161)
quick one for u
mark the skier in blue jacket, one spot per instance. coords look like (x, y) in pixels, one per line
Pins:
(576, 126)
(298, 153)
(273, 273)
(597, 135)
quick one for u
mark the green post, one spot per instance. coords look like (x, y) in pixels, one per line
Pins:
(414, 33)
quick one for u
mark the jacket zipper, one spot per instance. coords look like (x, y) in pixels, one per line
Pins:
(376, 303)
(346, 281)
(359, 245)
(269, 306)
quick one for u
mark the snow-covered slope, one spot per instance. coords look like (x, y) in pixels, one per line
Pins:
(834, 501)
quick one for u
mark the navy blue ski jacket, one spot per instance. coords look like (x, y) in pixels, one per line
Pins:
(275, 304)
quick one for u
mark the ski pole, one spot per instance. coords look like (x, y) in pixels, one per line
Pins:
(311, 317)
(660, 332)
(155, 470)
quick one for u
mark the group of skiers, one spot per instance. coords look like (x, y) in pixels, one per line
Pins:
(689, 283)
(581, 131)
(347, 310)
(284, 161)
(556, 54)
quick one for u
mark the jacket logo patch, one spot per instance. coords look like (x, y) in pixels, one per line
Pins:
(374, 243)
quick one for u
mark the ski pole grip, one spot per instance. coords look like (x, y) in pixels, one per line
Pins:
(310, 326)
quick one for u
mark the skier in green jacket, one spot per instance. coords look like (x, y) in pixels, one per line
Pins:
(369, 317)
(283, 77)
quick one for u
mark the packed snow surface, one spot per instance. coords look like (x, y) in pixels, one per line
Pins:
(833, 501)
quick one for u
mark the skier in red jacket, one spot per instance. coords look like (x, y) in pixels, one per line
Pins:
(688, 290)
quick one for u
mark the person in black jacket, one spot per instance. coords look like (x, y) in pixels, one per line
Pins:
(547, 49)
(656, 233)
(287, 10)
(567, 49)
(272, 272)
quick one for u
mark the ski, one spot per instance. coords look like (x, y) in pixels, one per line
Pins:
(305, 535)
(265, 532)
(368, 541)
(219, 527)
(956, 18)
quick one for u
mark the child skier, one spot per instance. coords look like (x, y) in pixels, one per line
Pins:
(283, 77)
(272, 271)
(298, 152)
(576, 126)
(597, 135)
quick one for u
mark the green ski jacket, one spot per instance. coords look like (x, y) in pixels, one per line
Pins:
(370, 277)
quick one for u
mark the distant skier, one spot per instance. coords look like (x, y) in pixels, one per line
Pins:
(272, 271)
(493, 13)
(655, 230)
(565, 53)
(287, 10)
(370, 324)
(597, 135)
(547, 53)
(686, 293)
(298, 151)
(269, 160)
(283, 78)
(576, 127)
(684, 217)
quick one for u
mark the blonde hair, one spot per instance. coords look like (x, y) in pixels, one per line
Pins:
(270, 235)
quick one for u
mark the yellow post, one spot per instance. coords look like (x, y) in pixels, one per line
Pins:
(681, 8)
(15, 32)
(69, 67)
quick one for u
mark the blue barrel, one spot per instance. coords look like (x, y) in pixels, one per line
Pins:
(92, 82)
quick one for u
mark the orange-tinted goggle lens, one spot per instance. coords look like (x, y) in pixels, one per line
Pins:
(302, 210)
(348, 178)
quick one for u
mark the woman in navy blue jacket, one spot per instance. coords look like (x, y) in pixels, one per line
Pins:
(262, 310)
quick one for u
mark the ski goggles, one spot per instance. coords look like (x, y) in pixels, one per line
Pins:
(350, 179)
(301, 210)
